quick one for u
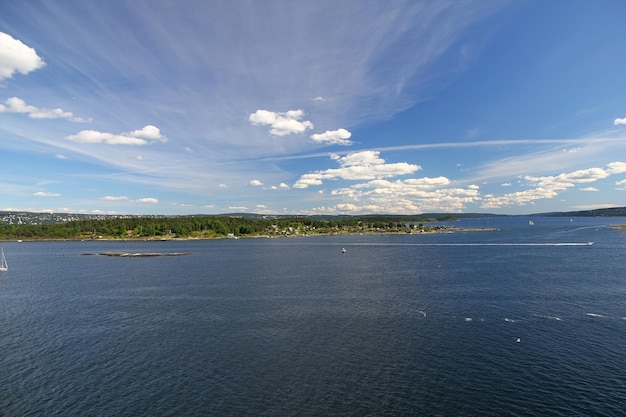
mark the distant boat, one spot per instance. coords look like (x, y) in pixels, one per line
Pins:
(530, 222)
(343, 250)
(4, 266)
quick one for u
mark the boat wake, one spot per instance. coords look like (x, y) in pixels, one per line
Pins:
(557, 318)
(483, 244)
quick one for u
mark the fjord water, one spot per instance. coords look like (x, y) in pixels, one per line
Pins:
(398, 325)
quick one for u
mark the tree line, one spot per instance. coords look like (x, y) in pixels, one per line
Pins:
(205, 227)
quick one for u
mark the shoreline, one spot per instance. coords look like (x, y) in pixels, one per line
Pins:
(449, 230)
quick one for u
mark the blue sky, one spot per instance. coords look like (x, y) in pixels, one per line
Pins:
(312, 107)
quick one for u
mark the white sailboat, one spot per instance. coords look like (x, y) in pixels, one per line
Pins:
(4, 266)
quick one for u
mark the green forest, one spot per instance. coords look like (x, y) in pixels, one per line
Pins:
(205, 227)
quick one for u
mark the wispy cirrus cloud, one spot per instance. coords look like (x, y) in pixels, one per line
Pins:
(147, 134)
(15, 56)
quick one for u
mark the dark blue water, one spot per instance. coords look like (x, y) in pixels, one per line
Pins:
(398, 325)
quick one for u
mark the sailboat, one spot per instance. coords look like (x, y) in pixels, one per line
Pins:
(4, 266)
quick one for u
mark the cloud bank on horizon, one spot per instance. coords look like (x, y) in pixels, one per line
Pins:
(311, 107)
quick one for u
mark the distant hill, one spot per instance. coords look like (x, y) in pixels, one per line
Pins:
(30, 218)
(605, 212)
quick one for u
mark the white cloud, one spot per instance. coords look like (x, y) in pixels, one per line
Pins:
(621, 185)
(348, 207)
(621, 121)
(566, 180)
(45, 194)
(15, 56)
(256, 183)
(359, 158)
(282, 123)
(589, 189)
(333, 137)
(365, 165)
(415, 195)
(114, 198)
(282, 185)
(616, 167)
(594, 206)
(148, 134)
(149, 200)
(17, 105)
(61, 156)
(550, 186)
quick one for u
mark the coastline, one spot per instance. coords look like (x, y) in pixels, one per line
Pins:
(446, 230)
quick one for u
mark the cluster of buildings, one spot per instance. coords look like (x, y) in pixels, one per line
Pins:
(24, 217)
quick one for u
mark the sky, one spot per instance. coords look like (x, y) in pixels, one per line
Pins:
(312, 107)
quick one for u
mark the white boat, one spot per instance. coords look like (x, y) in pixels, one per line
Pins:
(4, 266)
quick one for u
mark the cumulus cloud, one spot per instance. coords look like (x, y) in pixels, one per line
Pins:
(364, 165)
(45, 194)
(550, 186)
(17, 105)
(409, 196)
(256, 183)
(589, 189)
(616, 167)
(282, 123)
(282, 185)
(148, 134)
(621, 121)
(333, 137)
(15, 56)
(115, 198)
(621, 185)
(148, 200)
